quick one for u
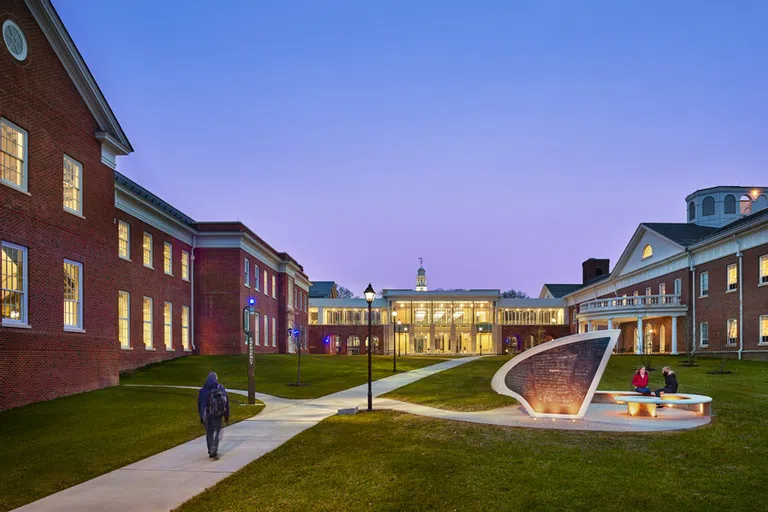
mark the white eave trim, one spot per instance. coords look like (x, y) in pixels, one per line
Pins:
(65, 49)
(137, 207)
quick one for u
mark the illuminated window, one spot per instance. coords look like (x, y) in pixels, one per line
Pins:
(247, 272)
(733, 277)
(764, 329)
(123, 240)
(733, 331)
(73, 304)
(647, 251)
(73, 185)
(266, 330)
(185, 265)
(764, 269)
(185, 327)
(266, 283)
(704, 284)
(274, 286)
(704, 334)
(274, 332)
(13, 155)
(168, 258)
(148, 250)
(147, 320)
(256, 278)
(168, 325)
(124, 319)
(663, 289)
(256, 328)
(291, 293)
(13, 287)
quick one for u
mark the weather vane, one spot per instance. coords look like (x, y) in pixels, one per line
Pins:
(421, 261)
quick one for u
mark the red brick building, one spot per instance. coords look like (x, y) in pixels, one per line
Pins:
(142, 281)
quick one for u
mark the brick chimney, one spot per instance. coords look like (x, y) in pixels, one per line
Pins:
(594, 268)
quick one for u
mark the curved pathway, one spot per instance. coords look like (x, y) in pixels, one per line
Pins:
(168, 479)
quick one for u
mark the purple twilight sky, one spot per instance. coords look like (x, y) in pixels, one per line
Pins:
(503, 141)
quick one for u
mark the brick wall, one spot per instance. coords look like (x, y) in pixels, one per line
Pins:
(44, 362)
(133, 277)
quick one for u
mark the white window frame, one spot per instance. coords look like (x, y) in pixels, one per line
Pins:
(762, 336)
(151, 250)
(662, 288)
(23, 320)
(168, 246)
(274, 331)
(274, 286)
(168, 325)
(703, 292)
(257, 280)
(79, 326)
(247, 272)
(703, 340)
(185, 328)
(728, 323)
(127, 225)
(266, 330)
(25, 174)
(266, 282)
(256, 320)
(79, 166)
(648, 291)
(762, 278)
(150, 323)
(126, 318)
(184, 265)
(678, 286)
(731, 287)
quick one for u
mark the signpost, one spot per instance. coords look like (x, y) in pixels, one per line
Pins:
(248, 312)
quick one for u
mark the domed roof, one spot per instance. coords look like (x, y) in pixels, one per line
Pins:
(421, 271)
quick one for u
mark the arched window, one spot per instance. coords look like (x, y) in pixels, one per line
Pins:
(691, 211)
(761, 203)
(647, 251)
(648, 348)
(708, 206)
(745, 205)
(375, 349)
(730, 204)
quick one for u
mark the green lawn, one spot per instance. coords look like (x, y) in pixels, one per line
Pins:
(392, 461)
(464, 388)
(49, 446)
(274, 372)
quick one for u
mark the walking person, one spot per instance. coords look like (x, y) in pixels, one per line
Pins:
(640, 381)
(213, 405)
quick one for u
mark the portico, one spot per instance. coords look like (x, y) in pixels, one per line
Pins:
(644, 318)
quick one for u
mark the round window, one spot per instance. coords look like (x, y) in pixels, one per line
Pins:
(14, 40)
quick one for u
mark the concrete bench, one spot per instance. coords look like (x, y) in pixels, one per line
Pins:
(643, 405)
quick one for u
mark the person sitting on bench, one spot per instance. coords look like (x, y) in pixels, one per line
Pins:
(670, 382)
(640, 381)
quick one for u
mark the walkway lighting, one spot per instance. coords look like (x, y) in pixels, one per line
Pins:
(370, 294)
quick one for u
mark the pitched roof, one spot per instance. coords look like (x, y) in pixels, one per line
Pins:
(145, 194)
(762, 215)
(681, 233)
(561, 290)
(321, 289)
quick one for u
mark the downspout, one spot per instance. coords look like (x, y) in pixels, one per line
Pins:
(741, 297)
(192, 297)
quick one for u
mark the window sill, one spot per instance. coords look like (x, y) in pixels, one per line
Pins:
(125, 348)
(187, 350)
(185, 279)
(74, 329)
(73, 212)
(762, 284)
(762, 344)
(14, 325)
(703, 296)
(150, 268)
(152, 349)
(170, 275)
(732, 291)
(14, 187)
(170, 349)
(125, 259)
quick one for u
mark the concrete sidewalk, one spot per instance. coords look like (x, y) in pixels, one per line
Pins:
(170, 478)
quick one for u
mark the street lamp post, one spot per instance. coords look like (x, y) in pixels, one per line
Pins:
(369, 296)
(394, 341)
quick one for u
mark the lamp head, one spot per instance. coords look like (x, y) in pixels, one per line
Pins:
(251, 301)
(369, 293)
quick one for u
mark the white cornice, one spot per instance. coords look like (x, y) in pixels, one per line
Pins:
(148, 213)
(78, 71)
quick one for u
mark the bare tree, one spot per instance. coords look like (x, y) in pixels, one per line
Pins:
(344, 293)
(297, 341)
(515, 294)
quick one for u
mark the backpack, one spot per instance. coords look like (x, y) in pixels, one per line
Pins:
(217, 403)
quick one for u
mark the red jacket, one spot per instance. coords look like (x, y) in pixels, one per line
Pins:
(640, 381)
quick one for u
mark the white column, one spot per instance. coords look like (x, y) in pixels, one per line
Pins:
(610, 323)
(674, 335)
(590, 327)
(639, 337)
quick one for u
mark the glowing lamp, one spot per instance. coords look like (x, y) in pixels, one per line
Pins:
(251, 301)
(369, 293)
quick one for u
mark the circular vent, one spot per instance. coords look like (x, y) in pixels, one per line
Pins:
(14, 40)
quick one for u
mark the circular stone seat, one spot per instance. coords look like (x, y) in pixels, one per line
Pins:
(643, 405)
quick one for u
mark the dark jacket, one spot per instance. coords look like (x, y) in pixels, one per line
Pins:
(670, 383)
(202, 397)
